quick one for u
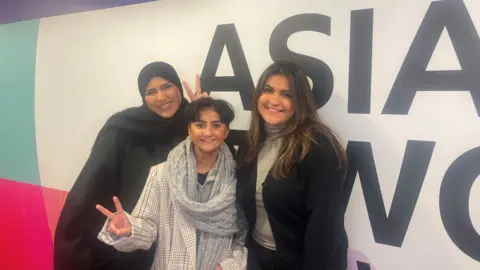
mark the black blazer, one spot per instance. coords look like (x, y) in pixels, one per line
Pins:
(305, 210)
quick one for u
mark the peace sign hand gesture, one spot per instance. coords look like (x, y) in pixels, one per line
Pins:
(198, 91)
(118, 222)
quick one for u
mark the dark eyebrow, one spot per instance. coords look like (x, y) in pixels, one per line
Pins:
(283, 90)
(215, 121)
(161, 86)
(165, 84)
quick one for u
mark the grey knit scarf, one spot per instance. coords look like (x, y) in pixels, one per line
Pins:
(216, 219)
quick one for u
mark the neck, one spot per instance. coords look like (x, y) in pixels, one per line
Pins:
(204, 160)
(273, 130)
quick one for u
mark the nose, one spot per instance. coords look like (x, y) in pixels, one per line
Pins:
(161, 97)
(275, 99)
(208, 130)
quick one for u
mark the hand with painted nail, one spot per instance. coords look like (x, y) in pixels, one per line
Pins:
(118, 222)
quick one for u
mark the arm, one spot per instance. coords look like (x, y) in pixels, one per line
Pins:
(79, 222)
(325, 238)
(237, 254)
(144, 220)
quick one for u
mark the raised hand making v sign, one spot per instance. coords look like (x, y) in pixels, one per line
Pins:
(118, 222)
(198, 91)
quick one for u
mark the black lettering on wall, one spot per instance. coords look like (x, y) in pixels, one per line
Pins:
(363, 266)
(226, 36)
(454, 202)
(360, 70)
(413, 77)
(389, 229)
(319, 72)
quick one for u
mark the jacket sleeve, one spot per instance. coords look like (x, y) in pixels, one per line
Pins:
(325, 237)
(144, 219)
(79, 221)
(237, 254)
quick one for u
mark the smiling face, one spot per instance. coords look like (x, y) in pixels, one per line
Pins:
(208, 133)
(275, 103)
(162, 97)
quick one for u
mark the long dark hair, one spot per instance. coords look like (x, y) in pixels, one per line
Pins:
(301, 129)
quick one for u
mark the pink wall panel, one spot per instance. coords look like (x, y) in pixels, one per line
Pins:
(26, 242)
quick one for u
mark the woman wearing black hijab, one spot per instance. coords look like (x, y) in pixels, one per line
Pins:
(129, 144)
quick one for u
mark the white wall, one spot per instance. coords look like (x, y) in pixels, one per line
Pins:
(87, 67)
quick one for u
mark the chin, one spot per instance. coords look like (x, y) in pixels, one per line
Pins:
(274, 122)
(208, 149)
(168, 114)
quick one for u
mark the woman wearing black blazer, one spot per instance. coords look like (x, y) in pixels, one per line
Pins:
(290, 178)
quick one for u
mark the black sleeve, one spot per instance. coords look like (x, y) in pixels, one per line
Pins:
(79, 222)
(325, 237)
(236, 138)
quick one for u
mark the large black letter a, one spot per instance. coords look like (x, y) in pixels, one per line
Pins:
(413, 76)
(226, 35)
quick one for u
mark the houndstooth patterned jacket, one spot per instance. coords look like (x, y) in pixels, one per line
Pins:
(157, 218)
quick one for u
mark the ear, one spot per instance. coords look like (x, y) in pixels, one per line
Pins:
(189, 129)
(226, 133)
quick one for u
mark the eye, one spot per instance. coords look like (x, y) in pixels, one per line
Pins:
(217, 125)
(166, 86)
(267, 90)
(200, 125)
(150, 92)
(287, 94)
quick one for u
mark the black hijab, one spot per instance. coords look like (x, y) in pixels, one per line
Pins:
(141, 120)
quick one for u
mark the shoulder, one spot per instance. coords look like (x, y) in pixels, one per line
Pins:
(323, 151)
(125, 113)
(158, 174)
(118, 123)
(324, 161)
(108, 138)
(120, 119)
(111, 134)
(158, 169)
(321, 144)
(114, 135)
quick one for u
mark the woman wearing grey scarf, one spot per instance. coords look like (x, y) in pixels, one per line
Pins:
(188, 204)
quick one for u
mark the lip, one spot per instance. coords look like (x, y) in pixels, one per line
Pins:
(207, 140)
(272, 110)
(165, 106)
